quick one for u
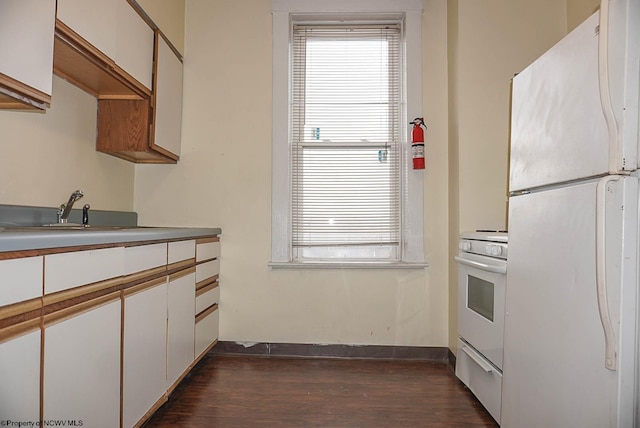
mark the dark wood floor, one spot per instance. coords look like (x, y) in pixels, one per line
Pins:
(229, 391)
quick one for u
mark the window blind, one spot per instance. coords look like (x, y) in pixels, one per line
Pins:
(346, 118)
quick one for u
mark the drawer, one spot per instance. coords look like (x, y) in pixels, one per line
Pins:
(482, 378)
(206, 331)
(69, 270)
(207, 251)
(144, 257)
(207, 296)
(181, 250)
(20, 279)
(207, 270)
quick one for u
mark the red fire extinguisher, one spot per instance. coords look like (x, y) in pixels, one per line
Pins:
(417, 142)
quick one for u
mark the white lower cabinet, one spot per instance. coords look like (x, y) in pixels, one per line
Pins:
(180, 328)
(82, 368)
(20, 374)
(144, 349)
(206, 329)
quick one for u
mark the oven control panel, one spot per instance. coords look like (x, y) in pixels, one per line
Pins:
(492, 244)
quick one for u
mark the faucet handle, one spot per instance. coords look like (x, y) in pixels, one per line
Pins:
(85, 215)
(59, 213)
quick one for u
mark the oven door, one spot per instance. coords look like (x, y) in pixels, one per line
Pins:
(481, 302)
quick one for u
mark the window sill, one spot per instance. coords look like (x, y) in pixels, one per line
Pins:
(347, 265)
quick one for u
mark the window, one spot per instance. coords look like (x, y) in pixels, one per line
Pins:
(340, 150)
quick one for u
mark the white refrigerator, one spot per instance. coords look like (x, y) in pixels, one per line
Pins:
(571, 345)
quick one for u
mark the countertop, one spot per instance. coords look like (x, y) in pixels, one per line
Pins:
(36, 238)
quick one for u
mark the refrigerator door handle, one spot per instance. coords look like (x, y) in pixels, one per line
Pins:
(615, 163)
(610, 361)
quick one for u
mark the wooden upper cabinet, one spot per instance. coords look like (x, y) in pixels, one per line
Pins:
(26, 53)
(122, 130)
(104, 47)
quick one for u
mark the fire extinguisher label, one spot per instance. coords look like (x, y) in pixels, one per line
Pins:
(417, 150)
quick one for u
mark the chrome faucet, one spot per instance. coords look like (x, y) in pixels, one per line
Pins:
(65, 210)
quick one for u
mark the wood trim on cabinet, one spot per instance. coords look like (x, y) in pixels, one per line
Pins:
(79, 62)
(7, 255)
(163, 399)
(144, 286)
(20, 312)
(176, 273)
(71, 311)
(20, 329)
(202, 315)
(209, 287)
(199, 357)
(26, 306)
(207, 239)
(206, 283)
(55, 301)
(17, 95)
(145, 275)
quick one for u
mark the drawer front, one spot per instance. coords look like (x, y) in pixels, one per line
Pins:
(206, 332)
(207, 270)
(69, 270)
(20, 279)
(208, 298)
(144, 257)
(181, 250)
(484, 380)
(208, 250)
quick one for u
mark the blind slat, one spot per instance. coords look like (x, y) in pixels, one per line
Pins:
(346, 111)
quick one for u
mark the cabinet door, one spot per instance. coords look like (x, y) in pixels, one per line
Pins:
(144, 352)
(180, 347)
(26, 46)
(94, 20)
(168, 98)
(82, 368)
(134, 44)
(20, 374)
(21, 279)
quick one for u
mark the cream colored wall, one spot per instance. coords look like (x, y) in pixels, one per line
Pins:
(490, 41)
(579, 10)
(224, 179)
(47, 156)
(496, 39)
(169, 17)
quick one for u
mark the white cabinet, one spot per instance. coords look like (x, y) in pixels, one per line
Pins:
(207, 294)
(69, 270)
(82, 367)
(26, 49)
(168, 98)
(134, 44)
(144, 257)
(207, 324)
(20, 374)
(93, 20)
(20, 279)
(115, 29)
(144, 351)
(20, 298)
(180, 332)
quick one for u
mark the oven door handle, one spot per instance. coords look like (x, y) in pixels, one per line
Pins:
(482, 266)
(486, 367)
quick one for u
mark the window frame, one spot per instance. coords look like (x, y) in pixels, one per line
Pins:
(285, 12)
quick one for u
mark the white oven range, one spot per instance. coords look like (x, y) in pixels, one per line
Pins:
(482, 268)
